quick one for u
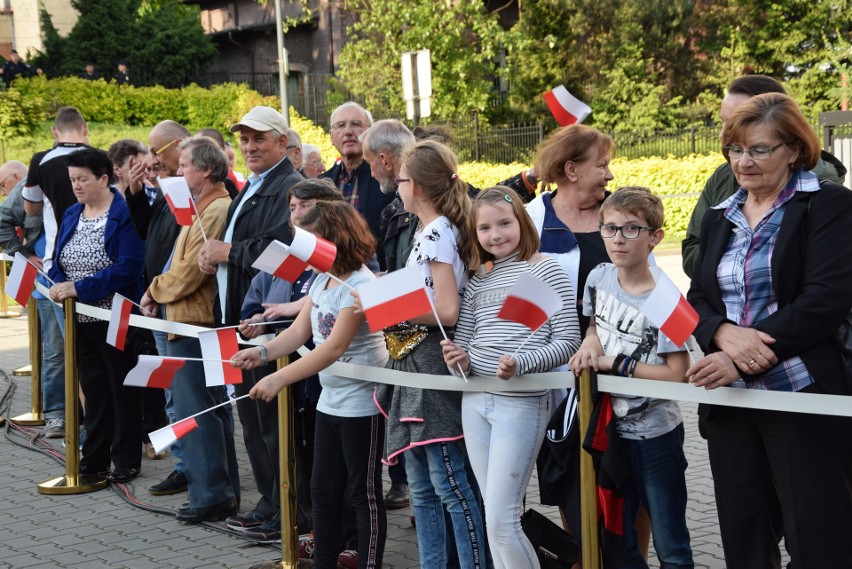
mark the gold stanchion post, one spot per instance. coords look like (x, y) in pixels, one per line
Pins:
(4, 306)
(35, 416)
(588, 500)
(73, 482)
(287, 484)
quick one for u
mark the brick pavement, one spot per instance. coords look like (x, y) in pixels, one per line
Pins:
(101, 529)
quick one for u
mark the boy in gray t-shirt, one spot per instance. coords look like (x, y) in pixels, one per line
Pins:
(622, 341)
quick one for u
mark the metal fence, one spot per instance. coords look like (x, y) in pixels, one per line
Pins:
(836, 129)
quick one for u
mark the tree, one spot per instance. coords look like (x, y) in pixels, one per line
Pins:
(162, 41)
(463, 39)
(175, 49)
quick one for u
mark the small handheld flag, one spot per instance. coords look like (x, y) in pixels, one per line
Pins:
(530, 302)
(119, 320)
(219, 346)
(669, 310)
(277, 260)
(394, 298)
(565, 107)
(21, 280)
(179, 199)
(163, 438)
(153, 371)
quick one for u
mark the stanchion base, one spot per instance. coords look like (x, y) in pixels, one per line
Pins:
(28, 420)
(9, 314)
(306, 563)
(62, 485)
(23, 370)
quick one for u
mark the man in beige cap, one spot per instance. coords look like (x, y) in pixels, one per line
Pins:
(259, 214)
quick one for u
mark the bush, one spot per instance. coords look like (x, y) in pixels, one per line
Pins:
(18, 114)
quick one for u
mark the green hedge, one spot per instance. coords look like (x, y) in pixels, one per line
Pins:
(36, 99)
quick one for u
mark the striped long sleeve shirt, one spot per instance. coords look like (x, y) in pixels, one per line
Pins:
(485, 337)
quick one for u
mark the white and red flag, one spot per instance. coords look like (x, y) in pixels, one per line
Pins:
(154, 371)
(119, 320)
(668, 310)
(394, 298)
(277, 260)
(530, 302)
(565, 107)
(315, 251)
(179, 198)
(217, 348)
(21, 279)
(163, 438)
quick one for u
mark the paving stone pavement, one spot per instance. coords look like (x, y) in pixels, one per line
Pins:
(101, 529)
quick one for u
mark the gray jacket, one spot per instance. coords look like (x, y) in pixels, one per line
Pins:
(12, 216)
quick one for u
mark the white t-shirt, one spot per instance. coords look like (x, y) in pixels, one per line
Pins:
(437, 242)
(343, 397)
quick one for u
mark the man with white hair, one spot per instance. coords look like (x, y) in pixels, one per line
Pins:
(313, 165)
(352, 173)
(294, 150)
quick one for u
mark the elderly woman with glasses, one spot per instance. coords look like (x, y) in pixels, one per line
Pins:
(772, 286)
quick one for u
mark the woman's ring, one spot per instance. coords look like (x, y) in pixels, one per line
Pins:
(751, 363)
(758, 356)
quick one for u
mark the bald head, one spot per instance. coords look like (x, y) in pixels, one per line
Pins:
(164, 139)
(11, 173)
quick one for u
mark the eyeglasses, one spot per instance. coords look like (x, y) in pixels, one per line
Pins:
(291, 147)
(354, 125)
(757, 153)
(608, 230)
(398, 181)
(3, 182)
(158, 151)
(315, 164)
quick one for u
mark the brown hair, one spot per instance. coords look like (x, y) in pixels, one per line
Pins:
(69, 119)
(123, 149)
(781, 114)
(569, 144)
(432, 166)
(638, 201)
(341, 224)
(529, 243)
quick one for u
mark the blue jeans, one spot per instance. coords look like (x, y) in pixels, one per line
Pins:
(210, 460)
(503, 436)
(657, 480)
(437, 479)
(52, 361)
(161, 341)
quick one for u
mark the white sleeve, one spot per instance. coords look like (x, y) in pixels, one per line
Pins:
(33, 194)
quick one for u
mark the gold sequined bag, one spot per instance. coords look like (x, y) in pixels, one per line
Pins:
(403, 338)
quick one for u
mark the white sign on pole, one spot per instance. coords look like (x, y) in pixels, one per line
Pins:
(417, 83)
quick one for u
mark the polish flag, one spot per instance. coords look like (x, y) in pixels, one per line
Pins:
(218, 345)
(565, 107)
(153, 371)
(179, 199)
(277, 260)
(315, 251)
(531, 302)
(165, 437)
(21, 279)
(668, 310)
(394, 298)
(119, 320)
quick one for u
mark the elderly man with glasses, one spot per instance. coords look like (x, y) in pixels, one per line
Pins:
(351, 174)
(155, 223)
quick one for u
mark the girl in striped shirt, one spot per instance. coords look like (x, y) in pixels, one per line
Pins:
(504, 431)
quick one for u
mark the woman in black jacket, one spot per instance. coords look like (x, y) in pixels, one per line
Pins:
(772, 284)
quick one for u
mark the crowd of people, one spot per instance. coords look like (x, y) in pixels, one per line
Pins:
(16, 67)
(761, 250)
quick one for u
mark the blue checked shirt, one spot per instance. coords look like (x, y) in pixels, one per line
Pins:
(745, 277)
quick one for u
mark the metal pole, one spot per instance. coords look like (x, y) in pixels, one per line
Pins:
(287, 468)
(588, 500)
(73, 482)
(282, 63)
(35, 416)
